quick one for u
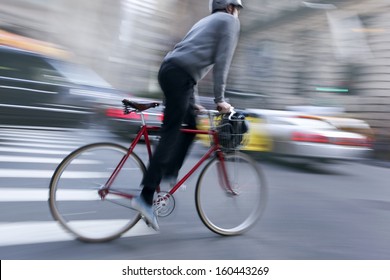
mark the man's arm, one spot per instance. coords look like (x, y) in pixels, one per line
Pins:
(224, 55)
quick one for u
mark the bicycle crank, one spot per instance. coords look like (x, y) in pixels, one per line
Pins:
(164, 204)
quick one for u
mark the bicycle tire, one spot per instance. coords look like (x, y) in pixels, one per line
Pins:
(74, 200)
(222, 211)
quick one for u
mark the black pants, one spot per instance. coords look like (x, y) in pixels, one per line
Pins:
(167, 159)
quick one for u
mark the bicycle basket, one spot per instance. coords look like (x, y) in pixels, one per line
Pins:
(231, 129)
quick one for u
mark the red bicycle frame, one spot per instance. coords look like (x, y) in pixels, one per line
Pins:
(215, 148)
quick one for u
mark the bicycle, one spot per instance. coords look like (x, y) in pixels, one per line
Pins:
(91, 189)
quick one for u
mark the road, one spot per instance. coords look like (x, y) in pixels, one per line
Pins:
(322, 212)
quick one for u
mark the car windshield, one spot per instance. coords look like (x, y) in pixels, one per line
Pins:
(78, 74)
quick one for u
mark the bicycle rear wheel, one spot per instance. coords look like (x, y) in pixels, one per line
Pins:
(231, 212)
(74, 200)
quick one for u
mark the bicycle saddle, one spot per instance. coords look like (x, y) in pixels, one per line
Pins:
(139, 107)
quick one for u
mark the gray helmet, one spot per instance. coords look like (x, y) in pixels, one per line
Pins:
(222, 4)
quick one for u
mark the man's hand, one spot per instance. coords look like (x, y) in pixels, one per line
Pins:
(224, 107)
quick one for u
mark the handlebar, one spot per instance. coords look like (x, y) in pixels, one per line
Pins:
(216, 113)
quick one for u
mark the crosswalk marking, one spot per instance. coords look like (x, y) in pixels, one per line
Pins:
(20, 233)
(25, 159)
(34, 151)
(29, 146)
(33, 173)
(23, 194)
(25, 173)
(35, 128)
(41, 145)
(22, 152)
(54, 139)
(33, 136)
(40, 142)
(41, 194)
(30, 159)
(26, 147)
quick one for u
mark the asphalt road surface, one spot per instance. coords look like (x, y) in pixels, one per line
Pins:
(320, 212)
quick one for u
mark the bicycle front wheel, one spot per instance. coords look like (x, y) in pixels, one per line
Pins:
(74, 199)
(231, 211)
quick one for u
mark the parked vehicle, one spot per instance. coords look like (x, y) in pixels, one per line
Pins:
(36, 89)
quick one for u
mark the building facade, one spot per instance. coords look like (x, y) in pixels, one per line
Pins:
(328, 53)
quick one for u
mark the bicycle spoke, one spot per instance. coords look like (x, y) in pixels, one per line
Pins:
(231, 207)
(74, 192)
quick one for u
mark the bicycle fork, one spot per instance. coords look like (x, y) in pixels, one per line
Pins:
(223, 176)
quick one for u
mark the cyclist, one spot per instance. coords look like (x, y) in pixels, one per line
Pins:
(210, 43)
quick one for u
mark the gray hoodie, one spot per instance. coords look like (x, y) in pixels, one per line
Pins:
(210, 42)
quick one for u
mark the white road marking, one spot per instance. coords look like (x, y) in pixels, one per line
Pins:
(25, 173)
(22, 159)
(42, 194)
(31, 173)
(40, 135)
(26, 141)
(41, 145)
(33, 151)
(23, 194)
(20, 233)
(31, 128)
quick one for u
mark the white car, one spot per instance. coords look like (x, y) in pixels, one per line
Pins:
(292, 134)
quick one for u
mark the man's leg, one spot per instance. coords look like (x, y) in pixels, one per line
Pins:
(183, 143)
(178, 88)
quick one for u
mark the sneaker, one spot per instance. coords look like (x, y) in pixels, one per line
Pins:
(146, 210)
